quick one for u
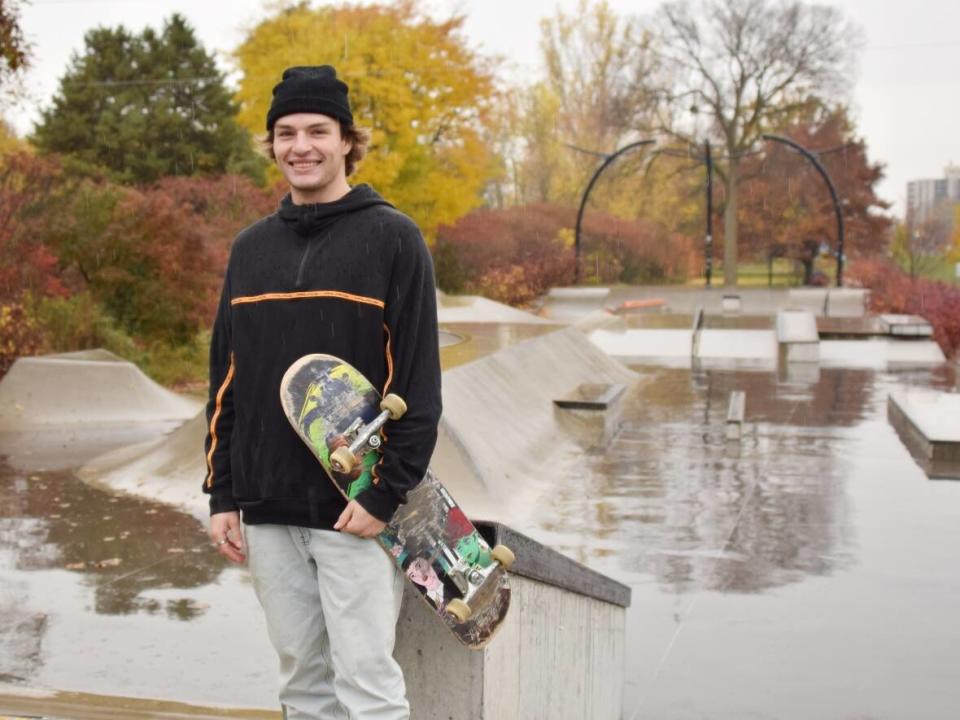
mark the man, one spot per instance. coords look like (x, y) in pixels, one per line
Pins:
(335, 270)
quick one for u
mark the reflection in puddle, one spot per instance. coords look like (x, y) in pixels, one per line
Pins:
(104, 594)
(754, 563)
(673, 499)
(117, 545)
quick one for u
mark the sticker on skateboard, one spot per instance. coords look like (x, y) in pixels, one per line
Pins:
(340, 415)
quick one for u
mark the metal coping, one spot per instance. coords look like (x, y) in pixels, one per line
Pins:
(538, 562)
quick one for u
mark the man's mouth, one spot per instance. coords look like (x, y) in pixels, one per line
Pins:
(304, 164)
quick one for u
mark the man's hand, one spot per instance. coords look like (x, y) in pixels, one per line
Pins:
(227, 536)
(357, 521)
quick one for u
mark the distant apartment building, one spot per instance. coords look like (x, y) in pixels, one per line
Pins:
(926, 197)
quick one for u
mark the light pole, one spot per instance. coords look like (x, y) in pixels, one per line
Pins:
(833, 195)
(586, 194)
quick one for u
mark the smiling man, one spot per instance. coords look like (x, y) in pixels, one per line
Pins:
(335, 270)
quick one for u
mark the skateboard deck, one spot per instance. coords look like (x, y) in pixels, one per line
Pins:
(430, 538)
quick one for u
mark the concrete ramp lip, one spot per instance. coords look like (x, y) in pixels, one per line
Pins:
(477, 309)
(74, 391)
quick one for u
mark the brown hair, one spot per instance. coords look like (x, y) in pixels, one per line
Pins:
(358, 137)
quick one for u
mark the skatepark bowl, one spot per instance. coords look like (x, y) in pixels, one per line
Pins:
(806, 570)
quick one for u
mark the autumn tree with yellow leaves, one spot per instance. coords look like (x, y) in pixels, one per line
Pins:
(414, 82)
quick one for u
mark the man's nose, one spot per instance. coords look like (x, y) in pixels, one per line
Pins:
(301, 142)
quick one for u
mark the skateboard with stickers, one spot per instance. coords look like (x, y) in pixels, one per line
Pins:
(340, 416)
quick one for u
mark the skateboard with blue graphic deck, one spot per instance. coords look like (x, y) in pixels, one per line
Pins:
(340, 416)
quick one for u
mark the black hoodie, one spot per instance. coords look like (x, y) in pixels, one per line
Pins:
(352, 278)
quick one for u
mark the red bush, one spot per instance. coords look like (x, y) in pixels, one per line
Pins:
(893, 291)
(516, 254)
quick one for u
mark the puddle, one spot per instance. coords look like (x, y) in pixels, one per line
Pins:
(120, 596)
(813, 555)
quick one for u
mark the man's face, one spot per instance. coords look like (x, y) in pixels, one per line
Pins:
(310, 153)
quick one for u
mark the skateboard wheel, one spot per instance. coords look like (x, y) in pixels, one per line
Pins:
(342, 460)
(394, 405)
(503, 555)
(460, 611)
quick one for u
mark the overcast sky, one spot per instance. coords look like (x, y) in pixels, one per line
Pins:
(905, 98)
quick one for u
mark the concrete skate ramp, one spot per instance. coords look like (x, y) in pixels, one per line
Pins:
(501, 438)
(169, 469)
(477, 309)
(668, 347)
(499, 413)
(72, 390)
(673, 347)
(569, 304)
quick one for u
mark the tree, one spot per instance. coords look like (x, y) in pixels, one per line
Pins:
(413, 81)
(954, 252)
(920, 247)
(744, 66)
(593, 98)
(29, 188)
(152, 257)
(785, 207)
(14, 48)
(143, 106)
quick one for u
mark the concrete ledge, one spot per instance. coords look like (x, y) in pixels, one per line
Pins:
(906, 326)
(736, 411)
(812, 299)
(538, 562)
(880, 353)
(559, 654)
(746, 347)
(936, 415)
(591, 396)
(797, 336)
(846, 302)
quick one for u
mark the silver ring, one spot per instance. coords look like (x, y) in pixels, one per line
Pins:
(222, 542)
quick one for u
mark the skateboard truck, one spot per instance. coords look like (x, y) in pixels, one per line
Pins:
(469, 578)
(364, 438)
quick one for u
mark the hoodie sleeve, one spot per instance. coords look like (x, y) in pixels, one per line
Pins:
(218, 483)
(413, 352)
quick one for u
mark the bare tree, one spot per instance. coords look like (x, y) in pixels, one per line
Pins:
(740, 68)
(920, 247)
(593, 97)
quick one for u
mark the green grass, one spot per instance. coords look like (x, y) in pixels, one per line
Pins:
(755, 274)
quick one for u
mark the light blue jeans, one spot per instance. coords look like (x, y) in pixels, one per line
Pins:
(331, 601)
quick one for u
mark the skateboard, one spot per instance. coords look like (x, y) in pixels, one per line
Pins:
(340, 415)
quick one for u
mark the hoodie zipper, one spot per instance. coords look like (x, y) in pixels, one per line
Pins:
(298, 285)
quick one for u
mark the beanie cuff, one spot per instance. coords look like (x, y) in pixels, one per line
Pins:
(307, 104)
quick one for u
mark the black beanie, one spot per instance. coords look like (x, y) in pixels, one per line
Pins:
(314, 89)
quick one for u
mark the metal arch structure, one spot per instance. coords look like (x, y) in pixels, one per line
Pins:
(838, 211)
(586, 195)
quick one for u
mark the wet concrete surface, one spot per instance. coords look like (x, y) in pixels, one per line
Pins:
(810, 570)
(121, 597)
(477, 340)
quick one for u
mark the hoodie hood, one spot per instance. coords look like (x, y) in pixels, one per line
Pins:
(314, 218)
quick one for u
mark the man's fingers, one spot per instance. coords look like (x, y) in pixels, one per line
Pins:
(345, 518)
(231, 553)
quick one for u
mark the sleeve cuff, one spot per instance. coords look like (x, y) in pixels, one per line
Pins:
(379, 502)
(222, 501)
